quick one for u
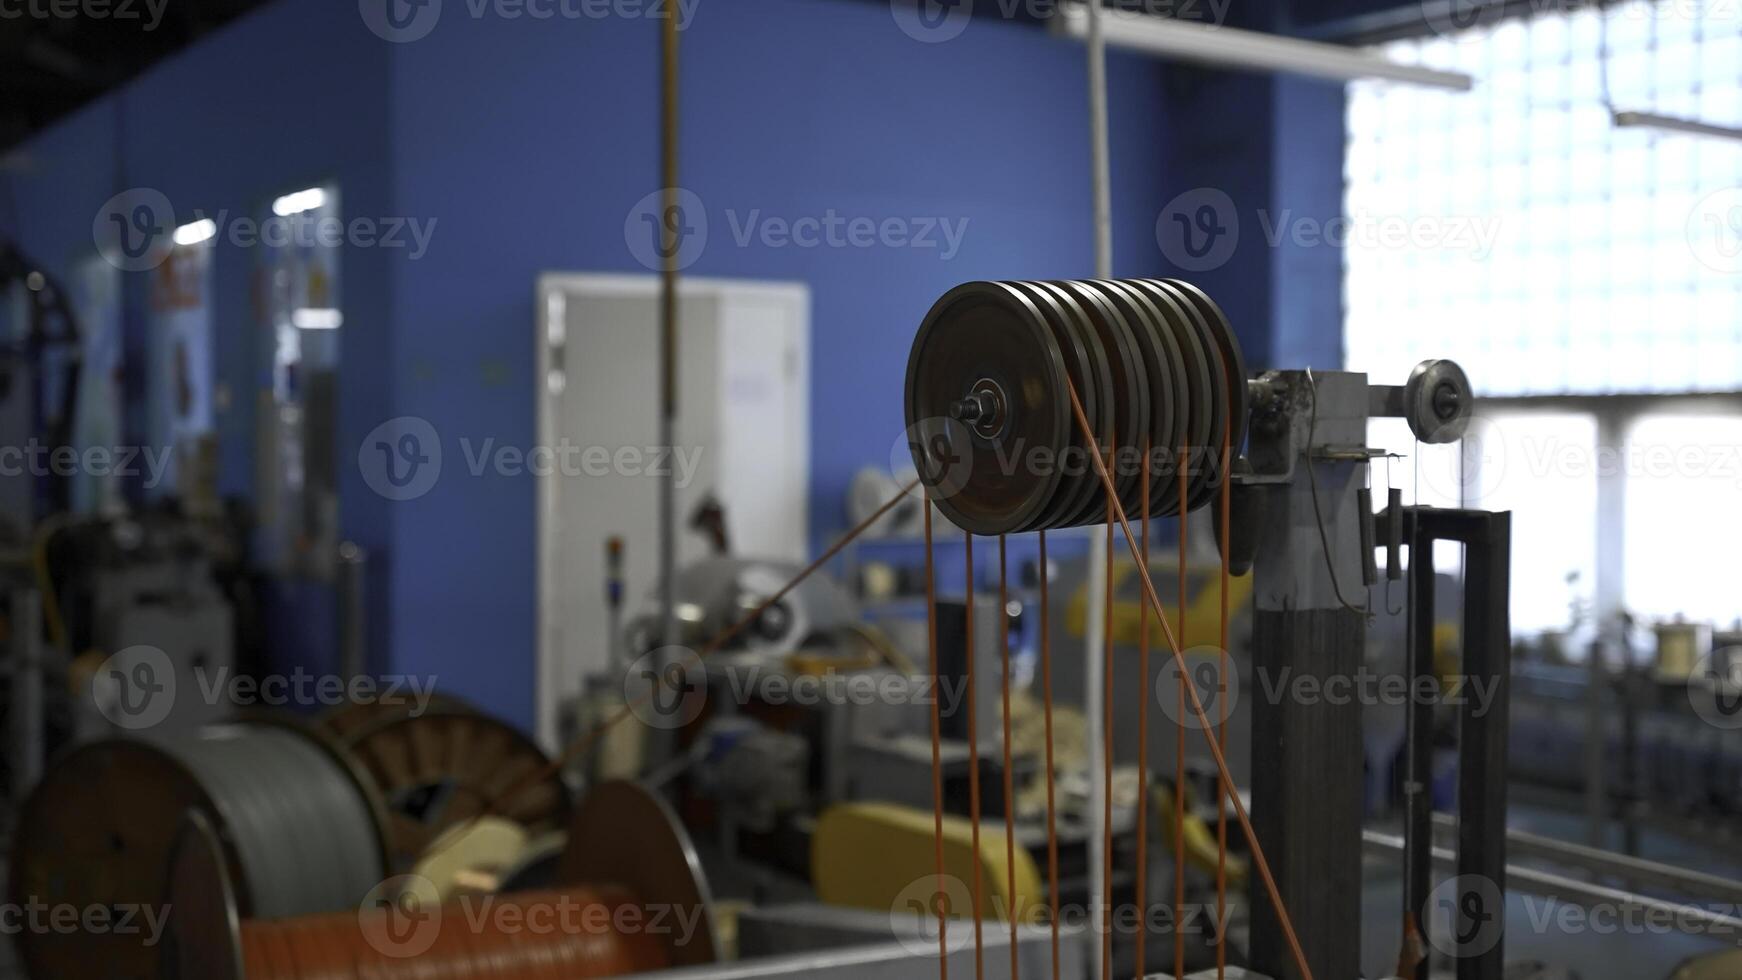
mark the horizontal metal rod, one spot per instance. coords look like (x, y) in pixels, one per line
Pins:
(1636, 871)
(1229, 47)
(1627, 119)
(1584, 893)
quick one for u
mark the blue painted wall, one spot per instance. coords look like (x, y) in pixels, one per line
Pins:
(530, 141)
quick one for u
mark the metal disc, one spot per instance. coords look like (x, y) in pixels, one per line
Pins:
(1206, 457)
(987, 340)
(1167, 387)
(1078, 485)
(1195, 365)
(624, 835)
(1233, 358)
(1131, 386)
(204, 938)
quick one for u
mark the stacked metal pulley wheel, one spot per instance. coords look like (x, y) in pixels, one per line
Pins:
(299, 823)
(1154, 362)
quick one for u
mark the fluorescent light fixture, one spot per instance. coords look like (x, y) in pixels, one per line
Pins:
(195, 232)
(1228, 47)
(313, 318)
(298, 202)
(1673, 124)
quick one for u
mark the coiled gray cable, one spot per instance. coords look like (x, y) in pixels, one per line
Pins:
(302, 829)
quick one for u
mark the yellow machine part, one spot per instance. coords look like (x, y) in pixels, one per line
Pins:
(1203, 626)
(882, 856)
(1718, 966)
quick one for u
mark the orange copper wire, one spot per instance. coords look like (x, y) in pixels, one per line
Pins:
(1258, 859)
(1107, 749)
(1143, 739)
(1009, 768)
(937, 740)
(577, 932)
(580, 745)
(1052, 834)
(1222, 787)
(1179, 769)
(974, 763)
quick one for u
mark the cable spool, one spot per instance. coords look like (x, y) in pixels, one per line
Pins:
(1154, 361)
(629, 860)
(301, 826)
(441, 768)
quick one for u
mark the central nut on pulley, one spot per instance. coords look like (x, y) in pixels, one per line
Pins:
(983, 409)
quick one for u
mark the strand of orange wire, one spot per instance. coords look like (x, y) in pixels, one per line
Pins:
(974, 763)
(1143, 735)
(937, 737)
(1258, 859)
(580, 745)
(1052, 836)
(1107, 736)
(1009, 769)
(1179, 769)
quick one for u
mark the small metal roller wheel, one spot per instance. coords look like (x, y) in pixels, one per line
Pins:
(1438, 401)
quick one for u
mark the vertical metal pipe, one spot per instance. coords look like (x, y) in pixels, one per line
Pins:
(1098, 547)
(671, 230)
(353, 621)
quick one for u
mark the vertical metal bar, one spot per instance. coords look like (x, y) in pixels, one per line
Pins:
(1009, 765)
(668, 322)
(1100, 549)
(353, 619)
(1418, 757)
(1483, 730)
(1144, 687)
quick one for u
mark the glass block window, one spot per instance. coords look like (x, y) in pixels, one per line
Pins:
(1548, 250)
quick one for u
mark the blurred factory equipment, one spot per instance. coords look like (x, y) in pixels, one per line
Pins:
(626, 850)
(742, 374)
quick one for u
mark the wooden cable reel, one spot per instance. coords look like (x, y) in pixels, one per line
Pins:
(441, 768)
(1154, 361)
(628, 859)
(300, 825)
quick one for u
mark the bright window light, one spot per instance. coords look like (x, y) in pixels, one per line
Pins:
(312, 318)
(298, 202)
(195, 232)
